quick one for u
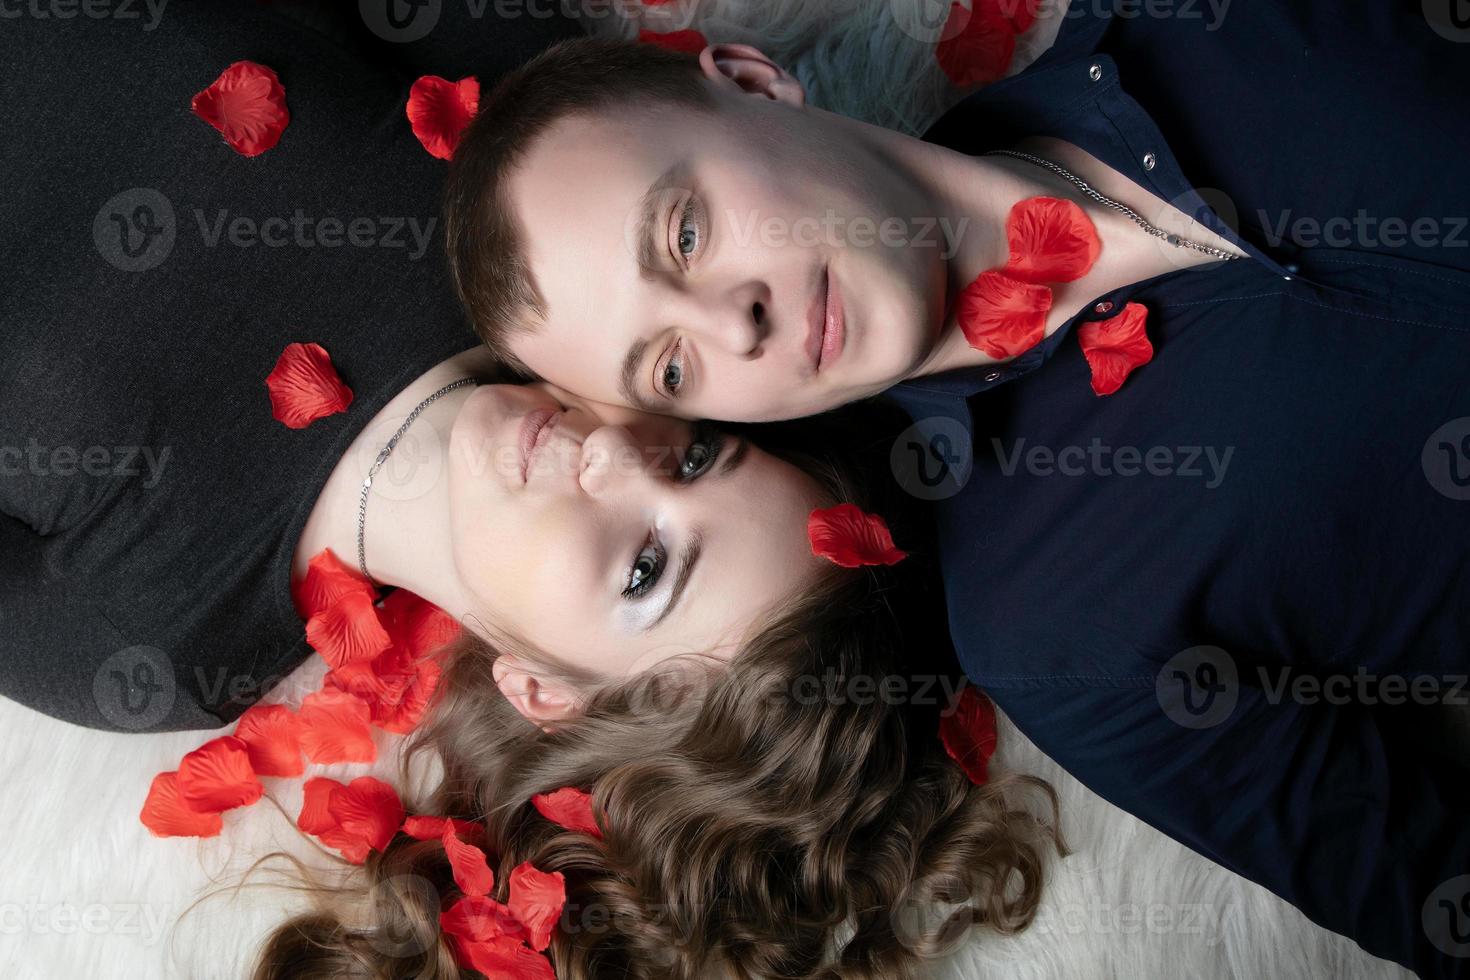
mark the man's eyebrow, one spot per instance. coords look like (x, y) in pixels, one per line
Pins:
(687, 561)
(628, 377)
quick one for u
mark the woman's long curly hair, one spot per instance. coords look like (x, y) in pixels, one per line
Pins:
(791, 813)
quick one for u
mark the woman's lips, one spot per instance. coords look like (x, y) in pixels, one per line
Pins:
(535, 427)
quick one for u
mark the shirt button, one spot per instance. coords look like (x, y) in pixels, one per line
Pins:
(1106, 306)
(992, 375)
(1095, 72)
(1149, 160)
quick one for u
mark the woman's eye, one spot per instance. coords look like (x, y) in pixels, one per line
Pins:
(672, 376)
(702, 452)
(644, 574)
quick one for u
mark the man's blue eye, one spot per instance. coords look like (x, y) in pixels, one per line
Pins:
(688, 233)
(673, 375)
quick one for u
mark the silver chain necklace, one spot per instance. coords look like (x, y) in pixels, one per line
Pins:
(1123, 209)
(383, 454)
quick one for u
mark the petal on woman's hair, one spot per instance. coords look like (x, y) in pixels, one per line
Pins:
(439, 110)
(969, 734)
(334, 728)
(348, 630)
(480, 919)
(304, 386)
(687, 42)
(272, 737)
(217, 776)
(317, 819)
(471, 871)
(247, 104)
(570, 807)
(851, 538)
(504, 959)
(1050, 240)
(429, 827)
(1001, 316)
(165, 813)
(537, 899)
(403, 715)
(327, 579)
(367, 808)
(977, 44)
(416, 625)
(1114, 347)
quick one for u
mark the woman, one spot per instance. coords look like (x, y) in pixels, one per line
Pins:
(1241, 480)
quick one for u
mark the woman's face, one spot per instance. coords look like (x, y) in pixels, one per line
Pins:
(612, 539)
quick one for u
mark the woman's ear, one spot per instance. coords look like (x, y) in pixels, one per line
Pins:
(539, 702)
(751, 72)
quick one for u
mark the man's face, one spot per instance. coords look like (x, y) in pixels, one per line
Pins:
(725, 264)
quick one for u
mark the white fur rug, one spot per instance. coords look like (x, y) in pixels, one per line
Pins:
(87, 892)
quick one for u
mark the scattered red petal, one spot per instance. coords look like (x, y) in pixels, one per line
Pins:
(165, 813)
(471, 871)
(217, 776)
(1114, 347)
(851, 538)
(1051, 240)
(504, 959)
(978, 44)
(480, 919)
(570, 807)
(369, 809)
(318, 820)
(428, 827)
(969, 735)
(327, 580)
(305, 387)
(439, 110)
(1002, 316)
(272, 737)
(537, 899)
(334, 728)
(688, 42)
(348, 630)
(247, 104)
(417, 625)
(403, 715)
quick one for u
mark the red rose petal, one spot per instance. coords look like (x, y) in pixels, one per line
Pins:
(504, 959)
(851, 538)
(305, 387)
(471, 871)
(537, 899)
(978, 44)
(165, 813)
(247, 104)
(439, 110)
(1002, 316)
(367, 808)
(375, 681)
(417, 625)
(1051, 240)
(1116, 346)
(272, 737)
(318, 820)
(348, 630)
(570, 807)
(404, 715)
(327, 580)
(480, 919)
(428, 827)
(688, 42)
(334, 728)
(217, 776)
(969, 734)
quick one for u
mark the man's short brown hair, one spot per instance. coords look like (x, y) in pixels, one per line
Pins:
(483, 237)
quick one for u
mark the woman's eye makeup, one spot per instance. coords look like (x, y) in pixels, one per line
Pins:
(648, 564)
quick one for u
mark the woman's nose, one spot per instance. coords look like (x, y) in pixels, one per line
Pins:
(612, 461)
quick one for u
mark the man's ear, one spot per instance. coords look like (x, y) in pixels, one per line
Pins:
(749, 71)
(539, 702)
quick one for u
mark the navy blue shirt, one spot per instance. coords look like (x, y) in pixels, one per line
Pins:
(1209, 595)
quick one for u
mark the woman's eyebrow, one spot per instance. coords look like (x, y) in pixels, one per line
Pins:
(687, 560)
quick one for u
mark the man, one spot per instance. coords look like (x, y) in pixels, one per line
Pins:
(1143, 581)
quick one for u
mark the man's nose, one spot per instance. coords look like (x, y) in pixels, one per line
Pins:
(613, 462)
(736, 323)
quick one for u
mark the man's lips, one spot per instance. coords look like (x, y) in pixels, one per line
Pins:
(826, 325)
(535, 428)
